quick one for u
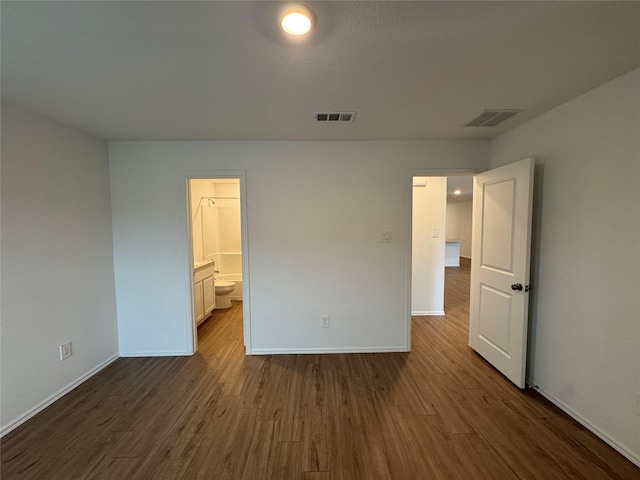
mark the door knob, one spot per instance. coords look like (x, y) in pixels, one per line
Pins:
(517, 286)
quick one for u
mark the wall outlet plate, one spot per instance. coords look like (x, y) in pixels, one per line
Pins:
(325, 321)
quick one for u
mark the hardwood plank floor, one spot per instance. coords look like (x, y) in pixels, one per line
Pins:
(439, 412)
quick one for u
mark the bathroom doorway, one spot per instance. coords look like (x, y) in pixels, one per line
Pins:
(217, 234)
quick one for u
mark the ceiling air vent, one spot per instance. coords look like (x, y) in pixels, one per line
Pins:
(491, 118)
(335, 116)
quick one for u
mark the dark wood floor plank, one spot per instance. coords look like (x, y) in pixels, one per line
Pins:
(316, 445)
(288, 461)
(262, 451)
(114, 467)
(316, 476)
(224, 449)
(479, 459)
(440, 411)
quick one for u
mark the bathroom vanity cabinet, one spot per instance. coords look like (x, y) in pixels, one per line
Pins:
(204, 294)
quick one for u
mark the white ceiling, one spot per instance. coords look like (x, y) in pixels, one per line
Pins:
(462, 183)
(223, 70)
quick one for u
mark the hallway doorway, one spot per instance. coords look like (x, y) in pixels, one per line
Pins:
(441, 237)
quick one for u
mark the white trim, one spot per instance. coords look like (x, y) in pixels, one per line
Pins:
(633, 457)
(156, 354)
(408, 261)
(16, 422)
(190, 323)
(287, 351)
(428, 313)
(246, 284)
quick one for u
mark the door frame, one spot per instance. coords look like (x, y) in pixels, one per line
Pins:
(422, 172)
(192, 328)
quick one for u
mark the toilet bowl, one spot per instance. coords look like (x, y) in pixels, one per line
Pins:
(223, 290)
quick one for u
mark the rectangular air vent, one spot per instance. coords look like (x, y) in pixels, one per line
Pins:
(335, 116)
(491, 118)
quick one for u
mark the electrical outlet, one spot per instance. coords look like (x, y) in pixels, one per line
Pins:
(385, 237)
(65, 351)
(325, 321)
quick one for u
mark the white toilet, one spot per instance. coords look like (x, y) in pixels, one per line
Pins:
(223, 294)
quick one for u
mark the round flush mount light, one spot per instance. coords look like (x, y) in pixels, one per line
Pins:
(297, 20)
(457, 192)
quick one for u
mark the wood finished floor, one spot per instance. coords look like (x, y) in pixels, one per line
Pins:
(439, 412)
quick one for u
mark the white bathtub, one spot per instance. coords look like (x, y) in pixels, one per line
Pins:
(232, 277)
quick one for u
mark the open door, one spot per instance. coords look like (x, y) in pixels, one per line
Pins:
(501, 245)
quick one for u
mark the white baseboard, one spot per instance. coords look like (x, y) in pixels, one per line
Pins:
(15, 423)
(633, 457)
(155, 354)
(427, 313)
(288, 351)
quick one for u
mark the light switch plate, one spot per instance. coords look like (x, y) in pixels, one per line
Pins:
(65, 351)
(385, 237)
(435, 232)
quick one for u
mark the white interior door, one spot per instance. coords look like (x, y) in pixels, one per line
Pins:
(501, 244)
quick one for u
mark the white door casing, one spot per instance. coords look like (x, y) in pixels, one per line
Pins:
(501, 245)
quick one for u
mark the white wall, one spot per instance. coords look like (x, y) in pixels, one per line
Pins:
(459, 215)
(228, 228)
(585, 328)
(222, 229)
(57, 261)
(315, 213)
(429, 212)
(199, 188)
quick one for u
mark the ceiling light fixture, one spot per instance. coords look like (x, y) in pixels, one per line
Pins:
(297, 20)
(457, 192)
